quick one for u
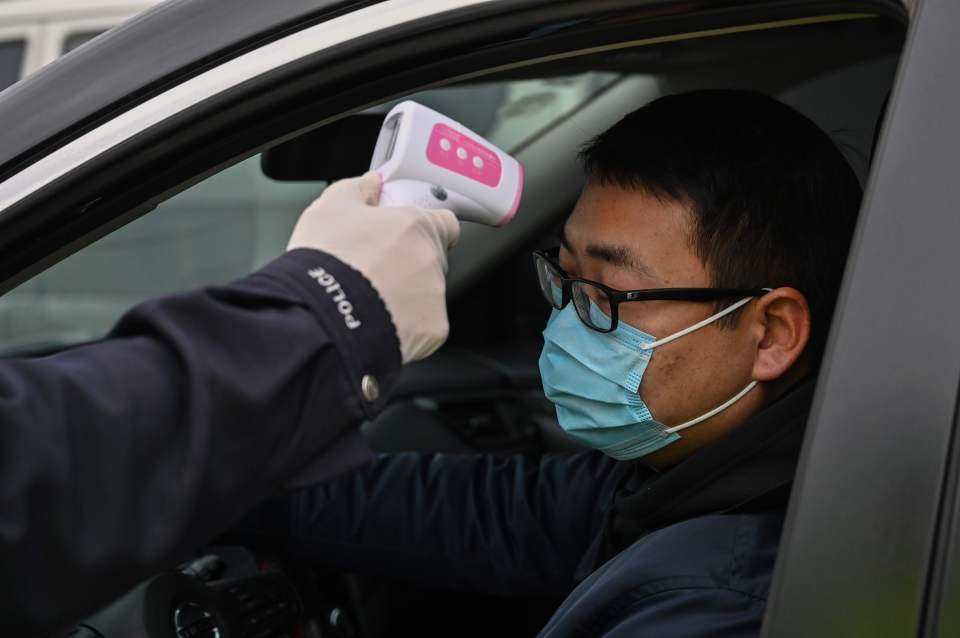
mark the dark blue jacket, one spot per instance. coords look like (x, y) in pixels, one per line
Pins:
(705, 576)
(688, 552)
(121, 457)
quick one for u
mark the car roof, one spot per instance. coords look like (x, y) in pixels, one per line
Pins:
(169, 40)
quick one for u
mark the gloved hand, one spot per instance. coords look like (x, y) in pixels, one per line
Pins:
(401, 250)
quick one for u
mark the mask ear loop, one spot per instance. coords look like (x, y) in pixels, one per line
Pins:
(720, 408)
(716, 410)
(700, 324)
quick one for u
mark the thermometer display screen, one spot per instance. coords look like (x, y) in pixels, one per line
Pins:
(387, 141)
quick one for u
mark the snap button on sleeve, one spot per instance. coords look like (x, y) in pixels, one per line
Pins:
(370, 388)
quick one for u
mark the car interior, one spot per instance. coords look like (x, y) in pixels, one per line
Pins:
(481, 392)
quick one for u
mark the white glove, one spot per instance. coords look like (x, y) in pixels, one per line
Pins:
(401, 250)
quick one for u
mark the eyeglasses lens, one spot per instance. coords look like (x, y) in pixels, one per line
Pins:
(550, 282)
(592, 304)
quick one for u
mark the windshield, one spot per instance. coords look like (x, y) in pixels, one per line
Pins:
(237, 220)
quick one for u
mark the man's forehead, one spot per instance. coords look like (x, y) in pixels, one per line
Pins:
(619, 254)
(605, 212)
(626, 227)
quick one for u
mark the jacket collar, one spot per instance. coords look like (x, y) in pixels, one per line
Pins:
(749, 469)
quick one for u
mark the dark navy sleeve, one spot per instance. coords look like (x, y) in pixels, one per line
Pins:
(495, 524)
(121, 457)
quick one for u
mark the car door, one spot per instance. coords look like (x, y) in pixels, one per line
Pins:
(869, 548)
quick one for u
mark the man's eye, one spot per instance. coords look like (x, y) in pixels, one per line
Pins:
(601, 300)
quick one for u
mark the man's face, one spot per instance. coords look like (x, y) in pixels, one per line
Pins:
(628, 240)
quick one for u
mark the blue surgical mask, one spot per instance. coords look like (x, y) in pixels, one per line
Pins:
(593, 380)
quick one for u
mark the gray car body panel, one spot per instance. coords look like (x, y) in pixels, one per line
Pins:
(857, 547)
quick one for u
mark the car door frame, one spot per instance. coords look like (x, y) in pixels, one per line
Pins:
(860, 548)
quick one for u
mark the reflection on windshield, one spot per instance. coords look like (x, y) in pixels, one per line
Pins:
(510, 113)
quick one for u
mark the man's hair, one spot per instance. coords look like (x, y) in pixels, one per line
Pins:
(773, 201)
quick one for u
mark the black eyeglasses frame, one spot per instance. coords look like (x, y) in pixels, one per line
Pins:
(616, 297)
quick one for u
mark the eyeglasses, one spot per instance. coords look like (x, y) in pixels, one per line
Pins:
(598, 305)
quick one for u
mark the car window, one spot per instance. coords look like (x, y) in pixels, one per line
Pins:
(11, 62)
(238, 220)
(74, 40)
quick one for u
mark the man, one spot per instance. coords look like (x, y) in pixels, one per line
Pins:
(693, 290)
(120, 458)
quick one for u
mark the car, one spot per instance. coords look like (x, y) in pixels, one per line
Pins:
(120, 181)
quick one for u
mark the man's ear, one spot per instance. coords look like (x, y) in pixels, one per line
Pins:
(783, 328)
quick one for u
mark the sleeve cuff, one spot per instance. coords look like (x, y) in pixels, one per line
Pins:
(352, 312)
(347, 453)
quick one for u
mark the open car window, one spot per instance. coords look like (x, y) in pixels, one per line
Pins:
(238, 220)
(235, 221)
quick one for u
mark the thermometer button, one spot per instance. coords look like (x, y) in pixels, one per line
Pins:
(453, 151)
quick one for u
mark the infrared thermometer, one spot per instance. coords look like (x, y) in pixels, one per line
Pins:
(428, 160)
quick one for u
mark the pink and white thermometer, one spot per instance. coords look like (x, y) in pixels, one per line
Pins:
(428, 160)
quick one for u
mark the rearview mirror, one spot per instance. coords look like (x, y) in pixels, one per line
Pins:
(338, 150)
